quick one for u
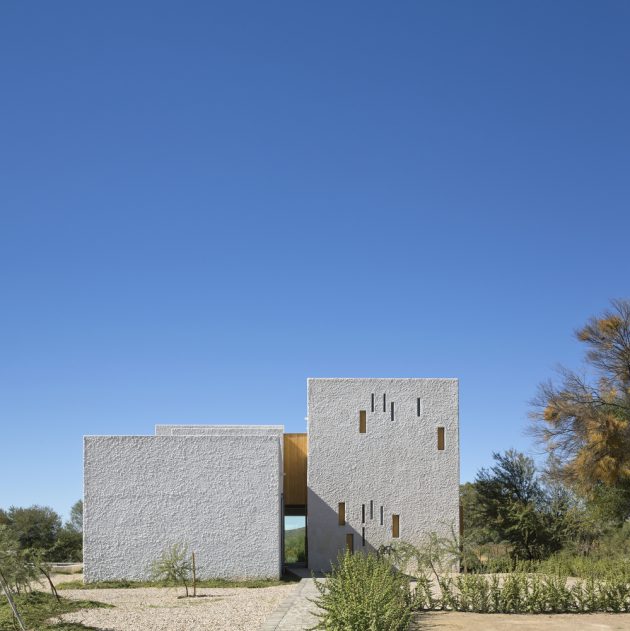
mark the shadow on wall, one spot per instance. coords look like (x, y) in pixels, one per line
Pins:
(326, 537)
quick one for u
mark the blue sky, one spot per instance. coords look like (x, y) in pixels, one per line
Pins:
(203, 204)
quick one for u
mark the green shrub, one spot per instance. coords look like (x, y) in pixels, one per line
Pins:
(520, 592)
(364, 593)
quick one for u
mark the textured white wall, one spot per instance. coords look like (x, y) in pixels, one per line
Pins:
(195, 430)
(218, 494)
(395, 464)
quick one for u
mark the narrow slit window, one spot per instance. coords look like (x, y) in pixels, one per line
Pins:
(362, 513)
(372, 403)
(362, 422)
(384, 404)
(342, 513)
(363, 537)
(381, 515)
(440, 438)
(392, 404)
(395, 526)
(371, 509)
(419, 406)
(350, 542)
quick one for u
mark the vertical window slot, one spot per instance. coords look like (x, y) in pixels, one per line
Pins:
(371, 509)
(419, 406)
(384, 404)
(392, 404)
(372, 403)
(342, 513)
(363, 537)
(350, 543)
(381, 515)
(362, 513)
(395, 526)
(362, 422)
(440, 438)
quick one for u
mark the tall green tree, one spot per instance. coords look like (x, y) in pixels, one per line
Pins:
(35, 527)
(516, 507)
(76, 517)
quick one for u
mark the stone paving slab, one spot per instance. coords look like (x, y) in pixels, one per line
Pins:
(296, 611)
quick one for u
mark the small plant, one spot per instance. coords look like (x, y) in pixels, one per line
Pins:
(364, 593)
(173, 566)
(423, 598)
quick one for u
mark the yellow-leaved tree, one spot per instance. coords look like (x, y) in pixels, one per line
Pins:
(584, 420)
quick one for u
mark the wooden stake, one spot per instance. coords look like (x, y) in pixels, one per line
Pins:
(194, 573)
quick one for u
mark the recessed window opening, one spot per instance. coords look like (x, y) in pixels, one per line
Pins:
(419, 406)
(371, 509)
(440, 438)
(342, 513)
(395, 526)
(372, 403)
(381, 515)
(350, 542)
(362, 422)
(362, 513)
(392, 410)
(384, 404)
(363, 536)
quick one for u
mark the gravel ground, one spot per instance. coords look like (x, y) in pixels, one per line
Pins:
(160, 609)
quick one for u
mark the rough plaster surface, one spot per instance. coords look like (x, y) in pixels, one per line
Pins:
(395, 464)
(195, 430)
(219, 494)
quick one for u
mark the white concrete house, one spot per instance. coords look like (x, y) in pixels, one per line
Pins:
(382, 464)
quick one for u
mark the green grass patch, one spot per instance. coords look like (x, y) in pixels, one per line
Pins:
(38, 607)
(216, 582)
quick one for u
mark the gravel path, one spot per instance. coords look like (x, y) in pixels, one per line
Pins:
(160, 609)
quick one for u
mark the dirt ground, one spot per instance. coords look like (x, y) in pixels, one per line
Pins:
(456, 621)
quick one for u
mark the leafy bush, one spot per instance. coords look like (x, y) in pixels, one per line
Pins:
(364, 593)
(19, 568)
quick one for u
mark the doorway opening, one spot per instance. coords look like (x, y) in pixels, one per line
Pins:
(295, 539)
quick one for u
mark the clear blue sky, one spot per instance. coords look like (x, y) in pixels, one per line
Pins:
(203, 204)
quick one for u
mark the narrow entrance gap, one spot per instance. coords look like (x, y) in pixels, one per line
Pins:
(295, 539)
